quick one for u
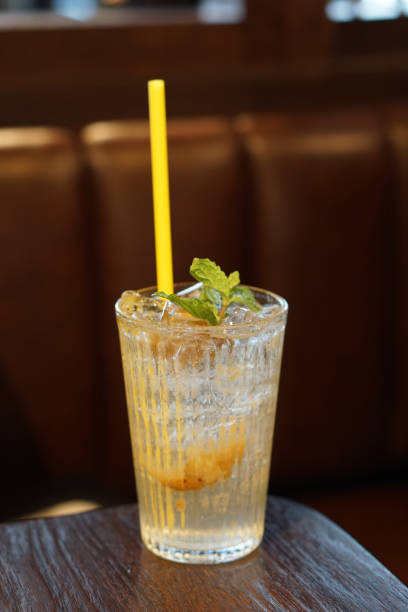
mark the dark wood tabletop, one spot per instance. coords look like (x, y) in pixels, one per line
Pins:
(96, 561)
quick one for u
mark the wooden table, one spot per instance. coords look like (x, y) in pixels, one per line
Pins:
(96, 561)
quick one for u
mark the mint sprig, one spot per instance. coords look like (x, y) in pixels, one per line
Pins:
(211, 275)
(201, 309)
(218, 292)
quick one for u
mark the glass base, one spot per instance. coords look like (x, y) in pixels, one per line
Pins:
(202, 557)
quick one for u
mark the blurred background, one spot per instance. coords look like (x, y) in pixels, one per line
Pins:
(288, 151)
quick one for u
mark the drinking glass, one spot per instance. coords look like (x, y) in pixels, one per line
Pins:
(201, 404)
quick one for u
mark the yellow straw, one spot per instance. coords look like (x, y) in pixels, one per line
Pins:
(160, 180)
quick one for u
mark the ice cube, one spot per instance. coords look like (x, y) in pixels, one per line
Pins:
(268, 310)
(129, 302)
(138, 306)
(238, 314)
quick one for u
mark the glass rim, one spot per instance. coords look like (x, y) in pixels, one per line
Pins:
(266, 320)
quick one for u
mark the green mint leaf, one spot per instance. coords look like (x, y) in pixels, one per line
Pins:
(233, 280)
(211, 295)
(195, 306)
(244, 296)
(218, 292)
(211, 275)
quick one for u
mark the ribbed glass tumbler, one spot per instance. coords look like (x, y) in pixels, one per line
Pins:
(201, 403)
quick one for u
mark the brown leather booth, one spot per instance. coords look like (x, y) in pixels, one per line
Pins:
(47, 352)
(313, 207)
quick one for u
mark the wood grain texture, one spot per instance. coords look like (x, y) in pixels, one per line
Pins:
(96, 561)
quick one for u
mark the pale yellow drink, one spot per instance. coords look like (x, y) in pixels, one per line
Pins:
(201, 403)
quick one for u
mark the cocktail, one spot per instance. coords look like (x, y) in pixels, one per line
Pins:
(201, 401)
(201, 367)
